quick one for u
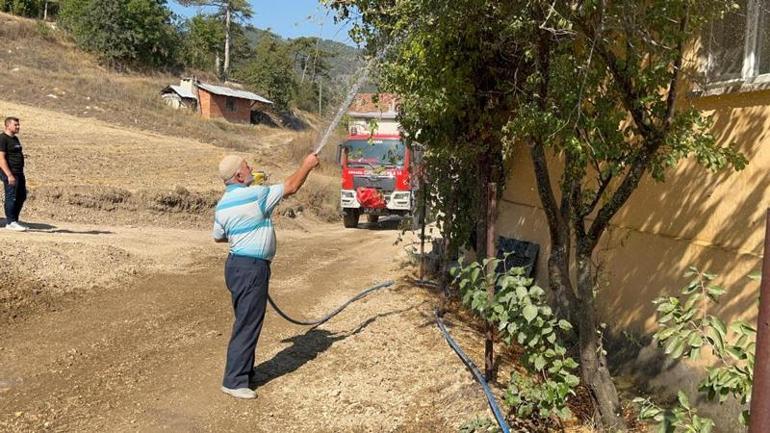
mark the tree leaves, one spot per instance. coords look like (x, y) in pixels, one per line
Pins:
(123, 33)
(685, 327)
(529, 312)
(520, 313)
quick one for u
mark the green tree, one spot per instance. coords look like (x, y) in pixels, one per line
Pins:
(230, 11)
(595, 84)
(310, 60)
(312, 65)
(49, 7)
(25, 8)
(451, 67)
(603, 94)
(125, 33)
(270, 72)
(203, 37)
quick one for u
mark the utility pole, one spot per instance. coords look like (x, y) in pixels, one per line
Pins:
(489, 354)
(422, 210)
(759, 422)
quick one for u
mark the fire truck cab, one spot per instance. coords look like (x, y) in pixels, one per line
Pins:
(378, 167)
(376, 178)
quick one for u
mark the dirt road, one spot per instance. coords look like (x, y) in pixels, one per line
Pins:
(148, 355)
(114, 315)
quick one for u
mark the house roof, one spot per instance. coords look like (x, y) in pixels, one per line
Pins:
(179, 90)
(226, 91)
(388, 115)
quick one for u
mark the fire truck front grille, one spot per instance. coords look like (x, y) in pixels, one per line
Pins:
(380, 182)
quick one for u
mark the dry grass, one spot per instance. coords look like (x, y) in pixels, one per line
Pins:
(42, 68)
(320, 199)
(180, 200)
(306, 142)
(320, 194)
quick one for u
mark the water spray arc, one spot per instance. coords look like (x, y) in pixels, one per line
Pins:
(349, 98)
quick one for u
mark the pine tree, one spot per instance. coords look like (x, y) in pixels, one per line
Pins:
(229, 11)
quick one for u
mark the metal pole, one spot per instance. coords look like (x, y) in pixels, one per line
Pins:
(422, 230)
(760, 392)
(489, 355)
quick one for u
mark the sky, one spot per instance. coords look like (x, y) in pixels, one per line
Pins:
(289, 18)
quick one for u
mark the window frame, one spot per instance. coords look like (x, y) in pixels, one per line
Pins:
(749, 68)
(231, 104)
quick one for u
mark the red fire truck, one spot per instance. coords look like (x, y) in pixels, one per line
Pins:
(378, 177)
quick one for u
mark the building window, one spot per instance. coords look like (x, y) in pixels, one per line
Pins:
(230, 104)
(738, 45)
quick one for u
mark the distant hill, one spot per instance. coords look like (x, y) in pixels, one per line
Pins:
(346, 61)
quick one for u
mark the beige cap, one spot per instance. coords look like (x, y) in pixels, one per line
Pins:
(229, 166)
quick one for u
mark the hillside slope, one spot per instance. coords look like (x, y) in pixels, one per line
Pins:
(43, 68)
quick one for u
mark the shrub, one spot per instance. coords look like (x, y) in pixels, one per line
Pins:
(685, 329)
(522, 316)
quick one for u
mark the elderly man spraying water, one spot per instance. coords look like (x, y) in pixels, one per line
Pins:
(242, 219)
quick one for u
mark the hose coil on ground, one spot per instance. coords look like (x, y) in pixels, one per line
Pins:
(336, 311)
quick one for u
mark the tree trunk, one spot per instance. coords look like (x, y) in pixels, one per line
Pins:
(45, 11)
(226, 69)
(559, 230)
(484, 175)
(304, 71)
(593, 362)
(449, 249)
(564, 299)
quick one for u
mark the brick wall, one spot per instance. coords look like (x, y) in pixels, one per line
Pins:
(215, 106)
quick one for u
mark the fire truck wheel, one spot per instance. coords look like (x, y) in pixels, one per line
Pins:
(372, 218)
(350, 218)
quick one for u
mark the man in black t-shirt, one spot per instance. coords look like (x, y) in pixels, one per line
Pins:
(12, 174)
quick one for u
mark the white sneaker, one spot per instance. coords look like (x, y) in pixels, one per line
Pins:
(15, 226)
(244, 393)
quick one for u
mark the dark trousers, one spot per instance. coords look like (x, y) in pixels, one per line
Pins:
(15, 195)
(247, 279)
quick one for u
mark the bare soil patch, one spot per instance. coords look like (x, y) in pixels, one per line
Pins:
(147, 355)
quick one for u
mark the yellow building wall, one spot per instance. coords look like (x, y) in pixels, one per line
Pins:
(714, 221)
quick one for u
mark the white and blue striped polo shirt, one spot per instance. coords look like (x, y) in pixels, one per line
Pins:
(243, 217)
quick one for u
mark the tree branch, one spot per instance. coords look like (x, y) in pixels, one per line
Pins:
(544, 189)
(621, 194)
(674, 87)
(604, 182)
(629, 94)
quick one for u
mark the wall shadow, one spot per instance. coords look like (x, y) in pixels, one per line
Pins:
(713, 221)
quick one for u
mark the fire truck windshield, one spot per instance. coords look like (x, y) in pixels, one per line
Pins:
(375, 152)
